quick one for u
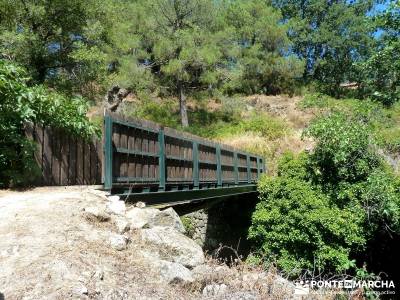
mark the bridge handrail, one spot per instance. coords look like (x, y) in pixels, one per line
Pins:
(145, 153)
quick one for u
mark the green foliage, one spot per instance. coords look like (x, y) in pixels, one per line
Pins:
(343, 150)
(21, 104)
(163, 113)
(383, 121)
(330, 36)
(59, 42)
(194, 47)
(380, 196)
(296, 225)
(261, 65)
(381, 72)
(324, 206)
(188, 225)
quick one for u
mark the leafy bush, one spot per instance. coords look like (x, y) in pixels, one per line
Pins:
(296, 225)
(325, 206)
(384, 122)
(343, 150)
(21, 104)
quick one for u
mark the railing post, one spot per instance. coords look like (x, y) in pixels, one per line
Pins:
(248, 168)
(108, 152)
(219, 168)
(196, 182)
(235, 168)
(161, 160)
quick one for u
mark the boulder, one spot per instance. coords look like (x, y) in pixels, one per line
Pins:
(138, 217)
(113, 198)
(166, 218)
(116, 207)
(118, 242)
(282, 285)
(114, 97)
(96, 213)
(213, 290)
(122, 224)
(173, 272)
(174, 246)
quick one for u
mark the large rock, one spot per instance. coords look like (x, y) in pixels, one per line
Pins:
(166, 218)
(116, 207)
(96, 213)
(118, 242)
(121, 224)
(174, 246)
(173, 272)
(282, 286)
(138, 217)
(114, 97)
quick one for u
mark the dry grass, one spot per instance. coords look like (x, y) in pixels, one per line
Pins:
(271, 149)
(284, 107)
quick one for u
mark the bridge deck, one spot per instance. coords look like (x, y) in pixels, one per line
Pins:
(144, 161)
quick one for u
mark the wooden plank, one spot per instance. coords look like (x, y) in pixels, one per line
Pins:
(72, 170)
(37, 136)
(93, 162)
(57, 157)
(47, 153)
(131, 146)
(99, 161)
(86, 162)
(80, 156)
(124, 157)
(64, 155)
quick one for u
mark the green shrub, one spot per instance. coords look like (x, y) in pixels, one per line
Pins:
(343, 151)
(327, 205)
(21, 104)
(188, 225)
(297, 226)
(383, 121)
(380, 197)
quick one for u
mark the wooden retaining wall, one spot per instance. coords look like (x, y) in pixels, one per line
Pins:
(64, 159)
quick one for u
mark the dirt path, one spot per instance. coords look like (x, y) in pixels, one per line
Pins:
(49, 251)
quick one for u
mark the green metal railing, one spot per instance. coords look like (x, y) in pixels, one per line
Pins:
(141, 157)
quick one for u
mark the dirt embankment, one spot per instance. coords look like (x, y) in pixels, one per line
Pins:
(48, 251)
(51, 249)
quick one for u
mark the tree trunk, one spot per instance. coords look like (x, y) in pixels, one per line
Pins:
(182, 107)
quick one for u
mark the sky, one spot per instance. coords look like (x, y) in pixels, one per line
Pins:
(379, 8)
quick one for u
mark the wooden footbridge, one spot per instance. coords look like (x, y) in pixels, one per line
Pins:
(143, 161)
(146, 162)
